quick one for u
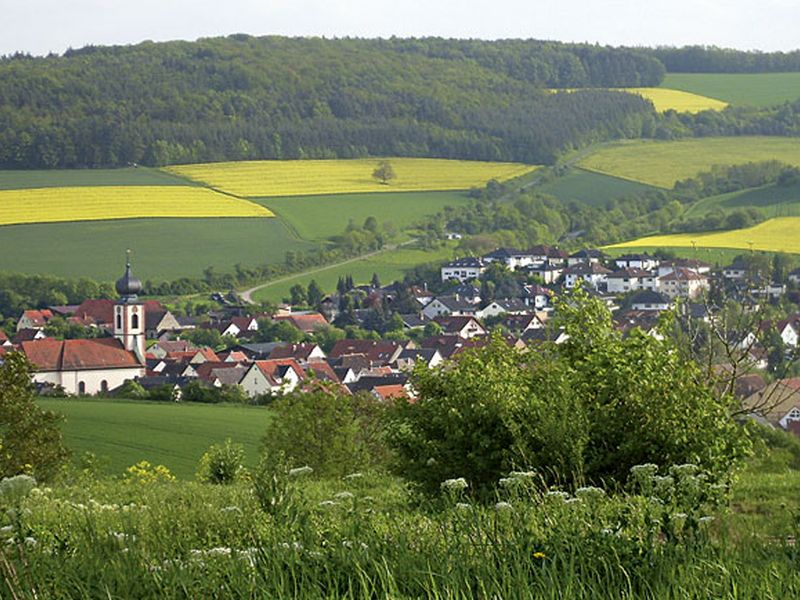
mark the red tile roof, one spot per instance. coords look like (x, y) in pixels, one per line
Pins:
(387, 392)
(75, 355)
(38, 318)
(101, 311)
(296, 351)
(305, 323)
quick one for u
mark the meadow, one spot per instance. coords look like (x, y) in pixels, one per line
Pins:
(320, 217)
(52, 205)
(773, 235)
(121, 432)
(267, 178)
(771, 201)
(163, 249)
(390, 265)
(754, 89)
(591, 188)
(662, 163)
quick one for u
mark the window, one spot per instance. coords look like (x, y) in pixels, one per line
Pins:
(81, 388)
(119, 321)
(104, 386)
(134, 321)
(794, 415)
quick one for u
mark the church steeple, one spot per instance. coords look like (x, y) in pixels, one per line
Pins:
(129, 323)
(128, 286)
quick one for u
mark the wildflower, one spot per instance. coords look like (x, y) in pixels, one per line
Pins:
(327, 503)
(455, 485)
(463, 506)
(683, 470)
(589, 493)
(679, 516)
(343, 496)
(522, 474)
(300, 471)
(14, 489)
(354, 476)
(508, 482)
(230, 509)
(502, 506)
(538, 555)
(220, 551)
(647, 470)
(607, 531)
(572, 501)
(705, 520)
(557, 494)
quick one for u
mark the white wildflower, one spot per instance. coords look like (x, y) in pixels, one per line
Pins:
(343, 495)
(572, 501)
(647, 469)
(14, 489)
(300, 471)
(430, 462)
(502, 506)
(354, 476)
(327, 503)
(557, 494)
(230, 509)
(705, 520)
(463, 506)
(589, 492)
(522, 474)
(8, 529)
(455, 485)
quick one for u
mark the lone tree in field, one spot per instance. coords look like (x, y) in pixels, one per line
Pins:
(384, 172)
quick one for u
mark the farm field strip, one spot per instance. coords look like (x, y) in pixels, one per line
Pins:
(588, 187)
(754, 89)
(51, 205)
(662, 163)
(774, 235)
(665, 99)
(270, 178)
(54, 178)
(770, 200)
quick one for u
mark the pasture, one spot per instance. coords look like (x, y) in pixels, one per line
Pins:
(162, 248)
(390, 265)
(269, 178)
(755, 89)
(121, 432)
(51, 205)
(320, 217)
(662, 163)
(17, 180)
(774, 235)
(591, 188)
(771, 201)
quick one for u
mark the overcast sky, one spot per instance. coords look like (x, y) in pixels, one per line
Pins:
(41, 26)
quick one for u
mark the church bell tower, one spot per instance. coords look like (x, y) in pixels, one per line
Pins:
(129, 325)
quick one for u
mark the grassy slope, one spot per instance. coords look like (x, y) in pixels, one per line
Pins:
(13, 180)
(713, 256)
(163, 248)
(662, 163)
(757, 89)
(590, 188)
(389, 266)
(319, 217)
(771, 201)
(122, 433)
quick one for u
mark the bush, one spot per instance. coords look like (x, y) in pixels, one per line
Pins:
(222, 463)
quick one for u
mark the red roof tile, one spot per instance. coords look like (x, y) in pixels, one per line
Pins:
(75, 355)
(101, 311)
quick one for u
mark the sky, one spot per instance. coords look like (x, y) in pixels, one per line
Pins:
(42, 26)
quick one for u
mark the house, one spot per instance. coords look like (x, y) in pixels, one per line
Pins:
(163, 347)
(501, 306)
(548, 254)
(97, 312)
(385, 393)
(592, 273)
(647, 300)
(683, 283)
(467, 292)
(788, 329)
(376, 352)
(536, 296)
(414, 321)
(771, 291)
(465, 327)
(4, 341)
(449, 346)
(548, 272)
(302, 353)
(257, 351)
(667, 266)
(794, 277)
(511, 258)
(587, 256)
(369, 383)
(643, 262)
(645, 320)
(272, 377)
(449, 305)
(519, 324)
(430, 357)
(218, 374)
(737, 270)
(539, 335)
(194, 357)
(307, 322)
(233, 356)
(778, 403)
(463, 269)
(34, 319)
(158, 320)
(630, 279)
(28, 335)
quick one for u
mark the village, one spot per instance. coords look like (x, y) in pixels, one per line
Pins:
(139, 349)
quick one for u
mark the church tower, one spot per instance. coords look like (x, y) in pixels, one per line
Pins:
(129, 326)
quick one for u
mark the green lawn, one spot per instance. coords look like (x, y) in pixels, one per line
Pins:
(320, 217)
(162, 248)
(389, 266)
(757, 89)
(771, 201)
(121, 432)
(591, 188)
(14, 180)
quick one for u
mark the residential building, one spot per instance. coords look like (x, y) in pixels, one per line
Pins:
(630, 279)
(637, 261)
(463, 269)
(683, 283)
(592, 273)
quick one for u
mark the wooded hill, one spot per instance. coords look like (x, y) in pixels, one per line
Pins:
(242, 97)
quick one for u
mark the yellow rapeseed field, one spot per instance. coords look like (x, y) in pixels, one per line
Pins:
(49, 205)
(662, 163)
(774, 235)
(665, 99)
(269, 178)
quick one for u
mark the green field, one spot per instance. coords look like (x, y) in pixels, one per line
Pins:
(713, 256)
(756, 89)
(121, 433)
(389, 266)
(771, 201)
(591, 188)
(662, 163)
(16, 180)
(320, 217)
(162, 248)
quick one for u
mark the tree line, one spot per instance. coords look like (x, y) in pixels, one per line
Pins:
(711, 59)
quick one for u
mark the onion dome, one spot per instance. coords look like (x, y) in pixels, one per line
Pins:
(128, 286)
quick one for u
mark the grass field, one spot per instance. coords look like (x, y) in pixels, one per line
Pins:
(713, 256)
(389, 266)
(591, 188)
(320, 217)
(122, 433)
(774, 235)
(269, 178)
(771, 201)
(14, 180)
(52, 205)
(162, 248)
(662, 163)
(756, 89)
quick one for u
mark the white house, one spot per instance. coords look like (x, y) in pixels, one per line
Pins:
(507, 306)
(511, 258)
(794, 277)
(630, 279)
(647, 300)
(737, 270)
(593, 273)
(536, 296)
(549, 272)
(683, 283)
(587, 256)
(272, 377)
(463, 269)
(443, 306)
(667, 266)
(637, 261)
(34, 319)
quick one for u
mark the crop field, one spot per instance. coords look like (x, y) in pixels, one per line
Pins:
(755, 89)
(774, 235)
(771, 201)
(662, 163)
(268, 178)
(52, 205)
(591, 188)
(320, 217)
(15, 180)
(389, 265)
(162, 248)
(122, 433)
(665, 99)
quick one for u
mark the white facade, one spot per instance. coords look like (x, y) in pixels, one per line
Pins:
(90, 381)
(255, 382)
(129, 327)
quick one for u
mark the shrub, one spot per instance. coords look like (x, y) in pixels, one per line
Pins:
(222, 463)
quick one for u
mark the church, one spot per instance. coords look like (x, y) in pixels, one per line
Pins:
(92, 366)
